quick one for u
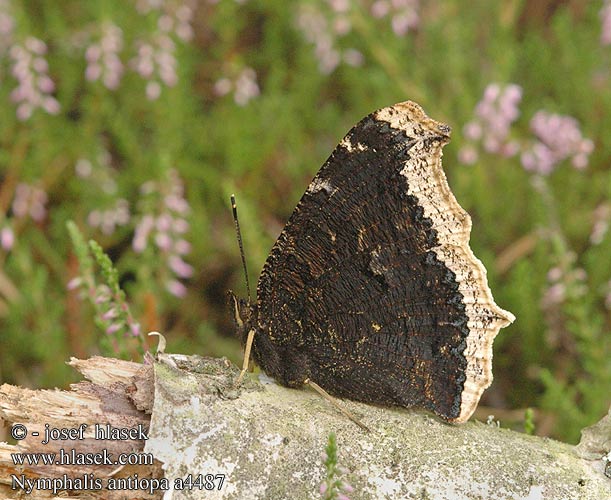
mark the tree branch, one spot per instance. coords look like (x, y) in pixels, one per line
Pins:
(267, 441)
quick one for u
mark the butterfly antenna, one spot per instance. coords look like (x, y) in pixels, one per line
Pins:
(234, 208)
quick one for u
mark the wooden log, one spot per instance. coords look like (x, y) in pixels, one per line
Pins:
(265, 441)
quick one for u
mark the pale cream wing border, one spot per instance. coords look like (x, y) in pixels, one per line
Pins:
(427, 181)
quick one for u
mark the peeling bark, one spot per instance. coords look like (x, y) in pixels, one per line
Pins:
(111, 396)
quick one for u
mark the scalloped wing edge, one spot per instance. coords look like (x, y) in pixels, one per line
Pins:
(427, 181)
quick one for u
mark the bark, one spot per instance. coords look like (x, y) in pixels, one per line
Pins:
(266, 441)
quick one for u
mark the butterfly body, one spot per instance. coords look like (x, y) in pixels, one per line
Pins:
(371, 290)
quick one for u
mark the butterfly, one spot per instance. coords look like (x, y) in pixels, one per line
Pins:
(371, 290)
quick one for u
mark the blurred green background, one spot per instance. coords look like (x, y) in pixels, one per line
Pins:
(138, 119)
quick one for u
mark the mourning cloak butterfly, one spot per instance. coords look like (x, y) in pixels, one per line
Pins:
(371, 290)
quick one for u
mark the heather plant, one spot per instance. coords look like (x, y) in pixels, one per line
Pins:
(529, 422)
(137, 120)
(568, 314)
(112, 314)
(334, 486)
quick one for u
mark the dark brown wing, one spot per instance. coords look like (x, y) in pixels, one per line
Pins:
(372, 290)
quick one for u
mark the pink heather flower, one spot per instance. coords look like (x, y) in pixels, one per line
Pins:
(180, 226)
(7, 238)
(174, 17)
(143, 229)
(180, 267)
(156, 63)
(246, 87)
(135, 328)
(347, 488)
(353, 57)
(29, 200)
(108, 220)
(177, 204)
(182, 247)
(184, 17)
(163, 241)
(467, 155)
(83, 168)
(166, 228)
(7, 25)
(153, 90)
(165, 23)
(566, 281)
(402, 23)
(102, 294)
(324, 29)
(176, 288)
(473, 131)
(490, 127)
(94, 218)
(602, 217)
(380, 8)
(555, 294)
(177, 22)
(103, 59)
(605, 16)
(113, 328)
(146, 6)
(554, 274)
(403, 14)
(34, 85)
(329, 59)
(342, 26)
(340, 6)
(579, 274)
(558, 138)
(74, 283)
(164, 221)
(110, 314)
(223, 86)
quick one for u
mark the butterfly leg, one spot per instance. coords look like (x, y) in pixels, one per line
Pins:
(334, 402)
(247, 348)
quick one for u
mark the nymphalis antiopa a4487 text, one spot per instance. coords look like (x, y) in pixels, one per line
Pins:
(371, 290)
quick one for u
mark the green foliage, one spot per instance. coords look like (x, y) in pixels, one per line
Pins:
(334, 486)
(529, 421)
(253, 103)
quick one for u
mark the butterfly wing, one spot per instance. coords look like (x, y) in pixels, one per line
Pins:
(372, 290)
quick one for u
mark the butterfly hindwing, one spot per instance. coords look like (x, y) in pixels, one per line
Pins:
(364, 290)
